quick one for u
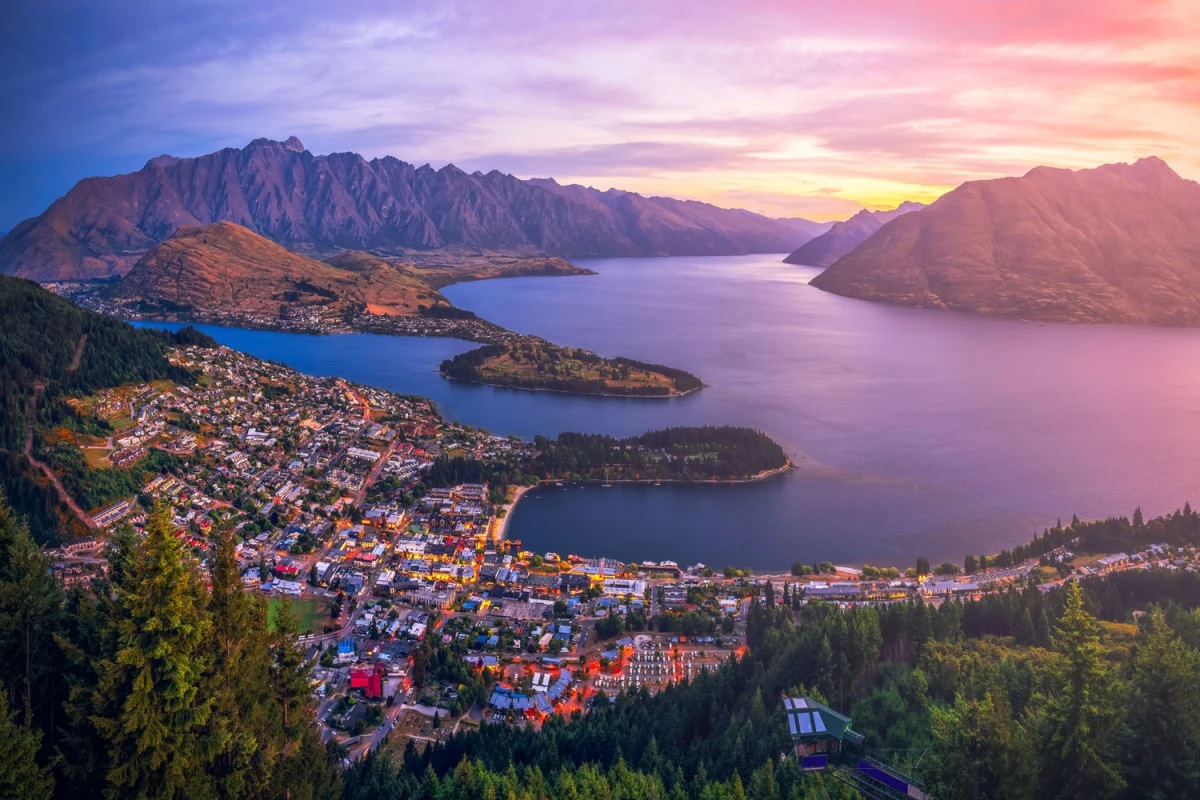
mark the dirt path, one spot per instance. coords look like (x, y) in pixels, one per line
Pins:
(74, 365)
(49, 473)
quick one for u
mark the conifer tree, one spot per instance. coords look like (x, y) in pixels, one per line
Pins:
(288, 671)
(979, 752)
(154, 677)
(1025, 633)
(235, 729)
(21, 777)
(30, 613)
(1164, 730)
(1080, 718)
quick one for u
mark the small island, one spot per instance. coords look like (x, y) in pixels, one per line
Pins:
(540, 366)
(683, 454)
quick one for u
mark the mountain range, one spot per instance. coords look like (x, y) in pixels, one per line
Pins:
(1118, 243)
(322, 204)
(844, 236)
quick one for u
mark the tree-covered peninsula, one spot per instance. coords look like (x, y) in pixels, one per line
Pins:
(675, 454)
(680, 454)
(538, 365)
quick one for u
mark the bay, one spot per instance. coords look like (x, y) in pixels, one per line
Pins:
(914, 432)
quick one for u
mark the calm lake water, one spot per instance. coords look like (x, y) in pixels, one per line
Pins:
(915, 432)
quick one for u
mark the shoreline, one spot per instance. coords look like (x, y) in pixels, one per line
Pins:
(501, 532)
(675, 396)
(150, 320)
(249, 325)
(766, 474)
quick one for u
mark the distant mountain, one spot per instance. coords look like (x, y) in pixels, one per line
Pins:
(1119, 243)
(843, 237)
(323, 204)
(807, 227)
(228, 268)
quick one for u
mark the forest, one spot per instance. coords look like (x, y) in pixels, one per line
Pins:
(684, 453)
(149, 683)
(51, 349)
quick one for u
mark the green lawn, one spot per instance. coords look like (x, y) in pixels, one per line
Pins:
(308, 613)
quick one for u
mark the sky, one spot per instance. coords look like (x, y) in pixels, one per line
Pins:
(802, 108)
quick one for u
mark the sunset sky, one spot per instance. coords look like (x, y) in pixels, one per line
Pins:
(798, 108)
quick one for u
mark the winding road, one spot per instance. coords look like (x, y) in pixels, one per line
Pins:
(82, 515)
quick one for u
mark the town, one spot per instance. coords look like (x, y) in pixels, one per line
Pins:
(417, 612)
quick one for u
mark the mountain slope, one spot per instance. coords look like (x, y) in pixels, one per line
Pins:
(323, 204)
(843, 237)
(665, 226)
(810, 229)
(1119, 243)
(225, 267)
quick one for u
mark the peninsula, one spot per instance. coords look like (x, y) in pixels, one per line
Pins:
(225, 274)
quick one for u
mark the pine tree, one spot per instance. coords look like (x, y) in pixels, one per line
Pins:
(1138, 522)
(1043, 636)
(30, 615)
(155, 675)
(1164, 730)
(1080, 718)
(234, 732)
(979, 752)
(289, 671)
(21, 777)
(1025, 633)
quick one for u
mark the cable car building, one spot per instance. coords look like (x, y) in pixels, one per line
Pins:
(822, 740)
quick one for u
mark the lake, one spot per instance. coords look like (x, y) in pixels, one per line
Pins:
(914, 432)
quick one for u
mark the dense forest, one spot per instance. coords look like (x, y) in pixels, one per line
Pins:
(563, 369)
(149, 684)
(50, 349)
(685, 453)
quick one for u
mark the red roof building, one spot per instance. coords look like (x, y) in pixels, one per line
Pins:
(370, 681)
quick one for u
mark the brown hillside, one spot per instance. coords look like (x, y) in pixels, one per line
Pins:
(1119, 243)
(225, 267)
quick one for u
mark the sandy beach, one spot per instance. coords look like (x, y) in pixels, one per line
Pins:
(502, 526)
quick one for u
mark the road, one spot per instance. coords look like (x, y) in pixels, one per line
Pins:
(79, 513)
(383, 459)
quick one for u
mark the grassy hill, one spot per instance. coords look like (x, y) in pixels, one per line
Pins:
(227, 268)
